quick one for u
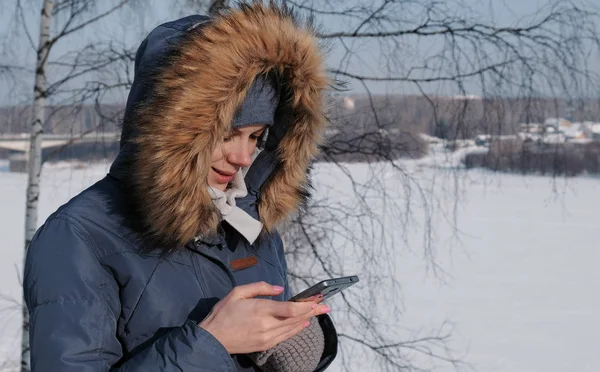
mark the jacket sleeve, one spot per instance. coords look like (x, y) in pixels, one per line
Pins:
(329, 331)
(74, 305)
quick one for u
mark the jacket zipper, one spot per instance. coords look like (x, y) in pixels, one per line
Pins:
(215, 260)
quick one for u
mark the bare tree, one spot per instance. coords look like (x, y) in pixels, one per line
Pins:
(35, 155)
(39, 106)
(543, 55)
(72, 16)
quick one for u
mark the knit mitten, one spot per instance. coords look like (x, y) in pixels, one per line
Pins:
(300, 353)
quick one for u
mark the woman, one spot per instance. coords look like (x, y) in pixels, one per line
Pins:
(172, 262)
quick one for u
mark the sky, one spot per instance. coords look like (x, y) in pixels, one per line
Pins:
(369, 57)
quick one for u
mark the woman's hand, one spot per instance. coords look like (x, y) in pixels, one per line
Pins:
(244, 324)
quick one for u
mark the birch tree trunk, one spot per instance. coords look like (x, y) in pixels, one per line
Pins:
(34, 163)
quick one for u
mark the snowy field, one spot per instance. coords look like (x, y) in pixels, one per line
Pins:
(520, 275)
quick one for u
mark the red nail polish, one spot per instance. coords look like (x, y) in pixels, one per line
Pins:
(326, 310)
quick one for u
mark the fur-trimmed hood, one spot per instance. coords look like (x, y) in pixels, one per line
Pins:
(191, 76)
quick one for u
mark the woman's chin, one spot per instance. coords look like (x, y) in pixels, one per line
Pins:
(218, 186)
(215, 183)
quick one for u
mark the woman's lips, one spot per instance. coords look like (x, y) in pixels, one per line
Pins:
(223, 177)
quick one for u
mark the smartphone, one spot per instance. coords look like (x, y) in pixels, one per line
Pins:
(325, 289)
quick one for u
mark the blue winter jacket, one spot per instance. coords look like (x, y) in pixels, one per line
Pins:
(118, 278)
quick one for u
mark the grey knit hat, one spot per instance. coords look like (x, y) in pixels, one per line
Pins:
(259, 105)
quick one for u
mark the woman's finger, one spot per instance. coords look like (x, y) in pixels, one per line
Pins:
(288, 309)
(287, 322)
(255, 289)
(289, 332)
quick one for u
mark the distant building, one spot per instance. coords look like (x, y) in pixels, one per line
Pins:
(575, 131)
(595, 131)
(531, 128)
(349, 103)
(557, 123)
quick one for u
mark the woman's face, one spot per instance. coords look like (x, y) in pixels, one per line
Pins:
(233, 153)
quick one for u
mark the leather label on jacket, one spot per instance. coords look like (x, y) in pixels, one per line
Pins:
(243, 263)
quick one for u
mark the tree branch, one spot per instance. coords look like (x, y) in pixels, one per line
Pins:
(437, 79)
(66, 31)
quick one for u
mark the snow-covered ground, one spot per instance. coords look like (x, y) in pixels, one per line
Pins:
(518, 272)
(521, 279)
(439, 157)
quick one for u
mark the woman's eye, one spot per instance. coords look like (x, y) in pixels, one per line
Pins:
(256, 137)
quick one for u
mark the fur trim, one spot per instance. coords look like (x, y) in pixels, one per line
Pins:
(194, 102)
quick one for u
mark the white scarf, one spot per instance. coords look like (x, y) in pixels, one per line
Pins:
(245, 224)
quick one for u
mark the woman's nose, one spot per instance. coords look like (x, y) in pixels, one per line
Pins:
(240, 156)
